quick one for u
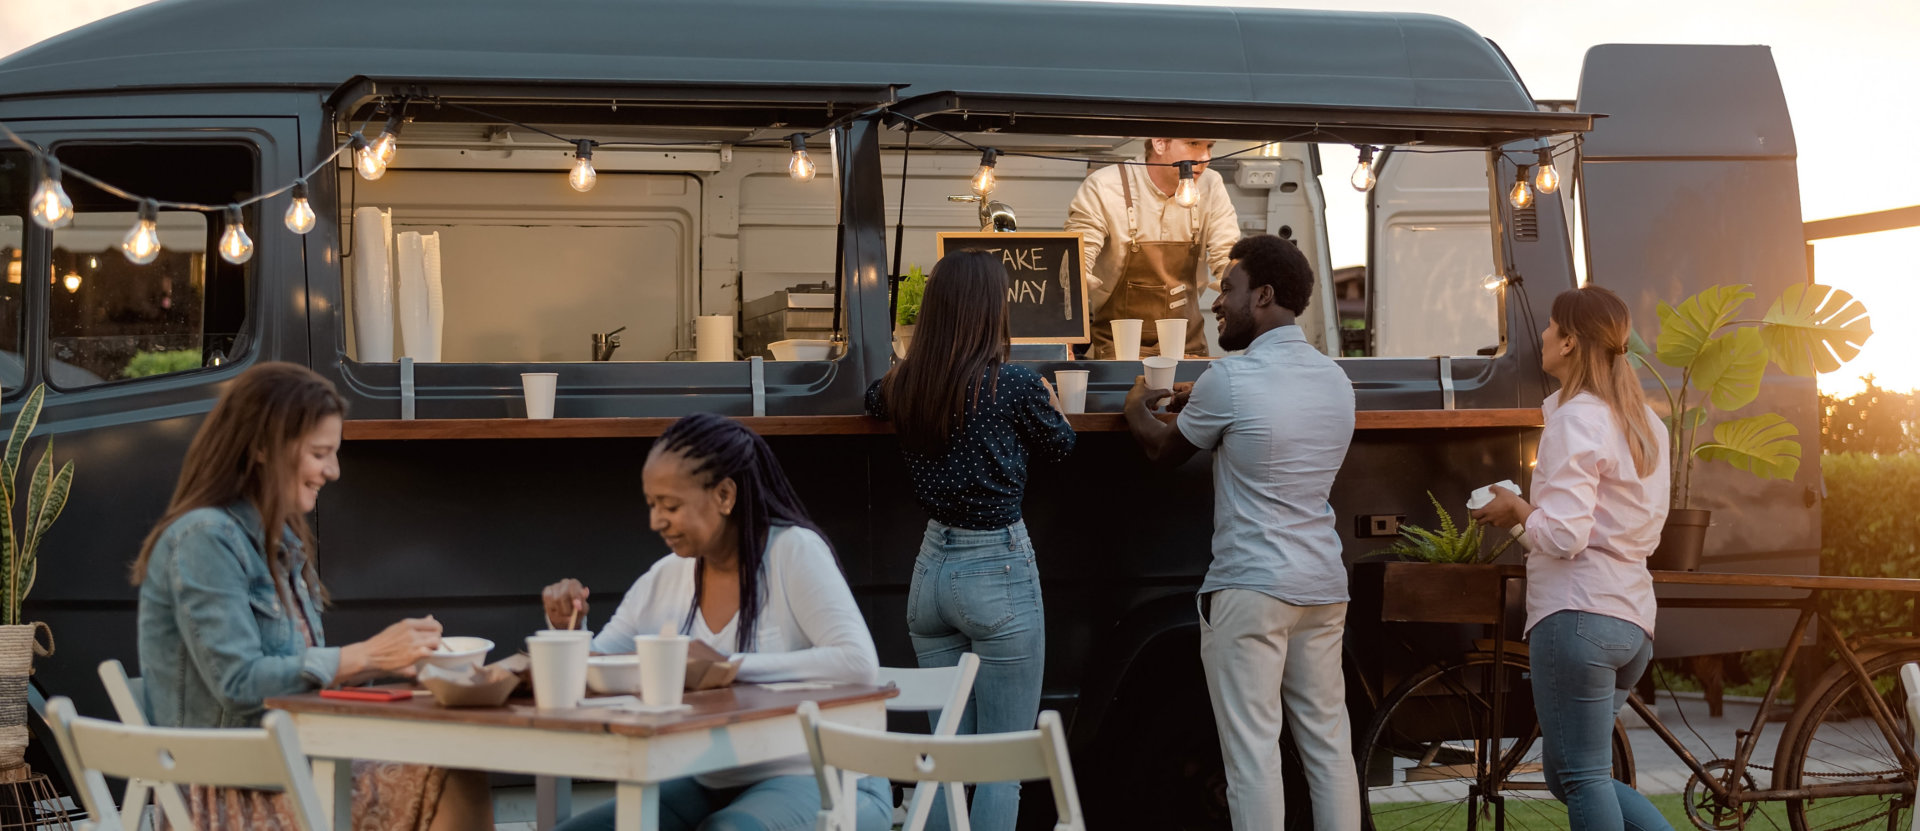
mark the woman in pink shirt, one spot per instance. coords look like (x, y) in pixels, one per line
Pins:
(1600, 496)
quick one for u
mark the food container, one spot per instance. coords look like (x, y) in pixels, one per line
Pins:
(613, 674)
(800, 350)
(488, 686)
(460, 652)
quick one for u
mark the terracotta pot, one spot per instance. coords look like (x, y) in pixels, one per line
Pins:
(1681, 541)
(18, 646)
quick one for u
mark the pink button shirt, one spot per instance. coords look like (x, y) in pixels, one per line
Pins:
(1595, 520)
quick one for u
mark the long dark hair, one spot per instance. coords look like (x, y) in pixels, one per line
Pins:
(246, 450)
(1598, 319)
(957, 349)
(717, 448)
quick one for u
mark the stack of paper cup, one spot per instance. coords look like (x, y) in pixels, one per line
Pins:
(1160, 372)
(1126, 340)
(1072, 386)
(663, 668)
(713, 337)
(1173, 336)
(539, 388)
(559, 658)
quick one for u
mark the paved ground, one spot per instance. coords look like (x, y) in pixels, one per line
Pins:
(1660, 771)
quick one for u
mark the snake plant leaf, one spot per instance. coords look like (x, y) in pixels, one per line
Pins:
(1762, 445)
(51, 504)
(1815, 328)
(1729, 368)
(23, 425)
(1685, 330)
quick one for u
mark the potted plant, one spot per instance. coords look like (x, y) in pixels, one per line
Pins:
(907, 309)
(1443, 575)
(20, 536)
(1721, 358)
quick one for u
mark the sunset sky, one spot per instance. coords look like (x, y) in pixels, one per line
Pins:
(1846, 66)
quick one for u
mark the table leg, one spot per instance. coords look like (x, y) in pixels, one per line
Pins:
(553, 801)
(333, 781)
(636, 806)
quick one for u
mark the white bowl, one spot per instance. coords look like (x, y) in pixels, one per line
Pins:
(613, 674)
(460, 652)
(800, 350)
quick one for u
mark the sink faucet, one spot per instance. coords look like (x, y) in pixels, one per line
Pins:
(603, 345)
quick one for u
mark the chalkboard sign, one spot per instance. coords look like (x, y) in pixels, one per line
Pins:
(1047, 285)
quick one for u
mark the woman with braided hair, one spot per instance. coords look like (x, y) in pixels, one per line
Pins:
(750, 575)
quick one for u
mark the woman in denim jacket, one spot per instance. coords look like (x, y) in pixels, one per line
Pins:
(230, 602)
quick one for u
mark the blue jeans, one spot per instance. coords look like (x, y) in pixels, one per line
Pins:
(979, 592)
(1583, 667)
(783, 803)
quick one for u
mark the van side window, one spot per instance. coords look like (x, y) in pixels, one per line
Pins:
(16, 186)
(111, 320)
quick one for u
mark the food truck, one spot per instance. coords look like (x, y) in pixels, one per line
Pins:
(698, 270)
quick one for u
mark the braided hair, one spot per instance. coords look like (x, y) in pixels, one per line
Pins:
(717, 448)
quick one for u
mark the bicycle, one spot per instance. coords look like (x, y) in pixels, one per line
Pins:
(1456, 744)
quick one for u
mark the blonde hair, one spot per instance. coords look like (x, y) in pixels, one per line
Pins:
(1599, 323)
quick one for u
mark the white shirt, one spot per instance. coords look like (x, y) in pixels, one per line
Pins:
(1595, 520)
(1099, 213)
(809, 628)
(1278, 420)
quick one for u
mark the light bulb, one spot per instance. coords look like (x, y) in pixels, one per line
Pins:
(1188, 192)
(1362, 178)
(800, 167)
(1520, 196)
(51, 207)
(142, 243)
(983, 180)
(365, 160)
(1493, 282)
(72, 281)
(13, 268)
(1548, 179)
(235, 246)
(583, 175)
(387, 144)
(300, 215)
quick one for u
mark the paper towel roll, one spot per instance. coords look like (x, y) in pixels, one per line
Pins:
(713, 337)
(420, 312)
(372, 285)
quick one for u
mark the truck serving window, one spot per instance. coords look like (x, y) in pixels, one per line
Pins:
(15, 188)
(111, 319)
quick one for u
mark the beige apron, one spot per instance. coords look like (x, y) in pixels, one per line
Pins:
(1156, 281)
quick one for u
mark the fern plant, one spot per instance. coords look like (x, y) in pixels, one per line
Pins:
(46, 498)
(912, 288)
(1452, 543)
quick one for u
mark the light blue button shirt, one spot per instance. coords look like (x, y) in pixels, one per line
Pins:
(1278, 420)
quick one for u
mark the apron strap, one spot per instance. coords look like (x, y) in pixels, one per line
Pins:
(1133, 214)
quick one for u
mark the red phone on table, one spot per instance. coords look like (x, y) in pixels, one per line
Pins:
(369, 694)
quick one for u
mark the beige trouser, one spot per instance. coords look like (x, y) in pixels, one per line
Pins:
(1262, 656)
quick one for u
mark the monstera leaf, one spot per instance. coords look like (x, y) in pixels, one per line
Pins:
(1728, 368)
(1762, 445)
(1687, 329)
(1815, 328)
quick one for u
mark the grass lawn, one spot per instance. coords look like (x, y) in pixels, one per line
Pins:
(1548, 814)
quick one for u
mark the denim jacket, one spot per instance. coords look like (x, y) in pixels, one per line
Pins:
(215, 638)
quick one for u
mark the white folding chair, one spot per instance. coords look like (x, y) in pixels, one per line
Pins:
(1910, 678)
(129, 703)
(940, 689)
(267, 756)
(911, 757)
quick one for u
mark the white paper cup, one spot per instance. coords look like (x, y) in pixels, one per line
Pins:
(663, 668)
(559, 670)
(1072, 386)
(1160, 372)
(538, 387)
(713, 338)
(1173, 336)
(1126, 339)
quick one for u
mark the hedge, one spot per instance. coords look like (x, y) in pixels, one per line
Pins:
(1870, 527)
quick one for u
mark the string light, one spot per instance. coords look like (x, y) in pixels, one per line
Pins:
(366, 160)
(1362, 178)
(72, 281)
(51, 207)
(1548, 179)
(300, 214)
(142, 244)
(983, 180)
(1494, 282)
(235, 246)
(583, 175)
(387, 145)
(800, 167)
(1188, 192)
(1520, 196)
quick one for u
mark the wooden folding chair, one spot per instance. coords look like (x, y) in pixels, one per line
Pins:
(944, 690)
(129, 703)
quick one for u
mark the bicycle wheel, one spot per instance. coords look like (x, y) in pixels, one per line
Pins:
(1418, 759)
(1833, 739)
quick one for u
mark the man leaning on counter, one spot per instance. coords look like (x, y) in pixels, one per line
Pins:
(1147, 250)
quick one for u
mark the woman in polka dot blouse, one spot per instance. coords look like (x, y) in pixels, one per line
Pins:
(968, 421)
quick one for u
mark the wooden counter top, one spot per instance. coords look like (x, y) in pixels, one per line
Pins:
(845, 425)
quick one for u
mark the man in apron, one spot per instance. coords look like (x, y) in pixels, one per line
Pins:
(1147, 250)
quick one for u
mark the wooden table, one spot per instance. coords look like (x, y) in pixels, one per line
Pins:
(726, 728)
